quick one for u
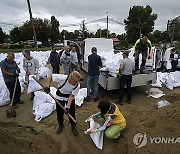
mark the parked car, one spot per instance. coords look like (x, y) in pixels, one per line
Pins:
(31, 42)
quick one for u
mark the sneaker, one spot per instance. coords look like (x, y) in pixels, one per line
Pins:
(74, 131)
(96, 99)
(87, 99)
(59, 130)
(20, 102)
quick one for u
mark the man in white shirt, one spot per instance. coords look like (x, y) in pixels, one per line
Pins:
(31, 67)
(74, 60)
(68, 87)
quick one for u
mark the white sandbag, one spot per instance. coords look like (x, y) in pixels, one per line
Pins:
(79, 98)
(43, 110)
(97, 137)
(4, 94)
(155, 93)
(44, 72)
(162, 103)
(33, 85)
(43, 104)
(4, 102)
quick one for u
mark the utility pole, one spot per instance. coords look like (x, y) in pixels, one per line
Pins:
(107, 25)
(32, 22)
(83, 27)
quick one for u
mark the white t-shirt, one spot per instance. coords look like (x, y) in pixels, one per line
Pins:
(67, 88)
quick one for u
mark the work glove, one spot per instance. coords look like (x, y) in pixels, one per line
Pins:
(134, 55)
(16, 75)
(47, 90)
(66, 110)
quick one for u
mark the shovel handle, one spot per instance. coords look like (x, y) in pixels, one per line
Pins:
(56, 101)
(14, 91)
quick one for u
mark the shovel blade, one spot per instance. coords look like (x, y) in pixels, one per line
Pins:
(11, 113)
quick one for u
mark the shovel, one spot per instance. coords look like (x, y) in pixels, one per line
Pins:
(56, 101)
(11, 113)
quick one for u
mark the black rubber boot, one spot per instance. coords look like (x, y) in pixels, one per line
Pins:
(59, 129)
(74, 130)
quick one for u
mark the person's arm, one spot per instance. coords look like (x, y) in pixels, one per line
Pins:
(36, 65)
(100, 62)
(106, 124)
(24, 65)
(121, 67)
(3, 69)
(63, 58)
(70, 99)
(51, 58)
(6, 73)
(136, 44)
(150, 47)
(49, 80)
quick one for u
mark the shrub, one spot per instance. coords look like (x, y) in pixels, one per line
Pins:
(15, 46)
(27, 46)
(5, 46)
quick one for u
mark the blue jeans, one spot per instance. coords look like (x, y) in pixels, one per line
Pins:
(95, 79)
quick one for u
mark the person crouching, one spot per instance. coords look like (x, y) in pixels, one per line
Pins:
(110, 119)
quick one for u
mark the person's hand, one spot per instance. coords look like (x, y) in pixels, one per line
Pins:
(149, 57)
(27, 73)
(16, 75)
(90, 117)
(93, 130)
(134, 55)
(47, 90)
(66, 110)
(107, 123)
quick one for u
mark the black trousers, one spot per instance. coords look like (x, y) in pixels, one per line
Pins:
(10, 86)
(60, 112)
(173, 65)
(144, 56)
(55, 68)
(125, 80)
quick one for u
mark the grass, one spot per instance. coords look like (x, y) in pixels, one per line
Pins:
(177, 46)
(31, 49)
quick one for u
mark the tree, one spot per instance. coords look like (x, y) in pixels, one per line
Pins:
(140, 21)
(25, 32)
(15, 34)
(2, 36)
(54, 29)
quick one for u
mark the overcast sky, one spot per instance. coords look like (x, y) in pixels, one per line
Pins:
(15, 12)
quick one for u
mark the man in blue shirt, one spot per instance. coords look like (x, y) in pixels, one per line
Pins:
(10, 72)
(94, 62)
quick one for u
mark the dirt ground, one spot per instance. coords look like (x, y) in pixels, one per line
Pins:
(24, 135)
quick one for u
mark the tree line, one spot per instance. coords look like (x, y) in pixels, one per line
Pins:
(140, 21)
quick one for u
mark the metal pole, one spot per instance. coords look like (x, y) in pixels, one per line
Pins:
(107, 24)
(32, 22)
